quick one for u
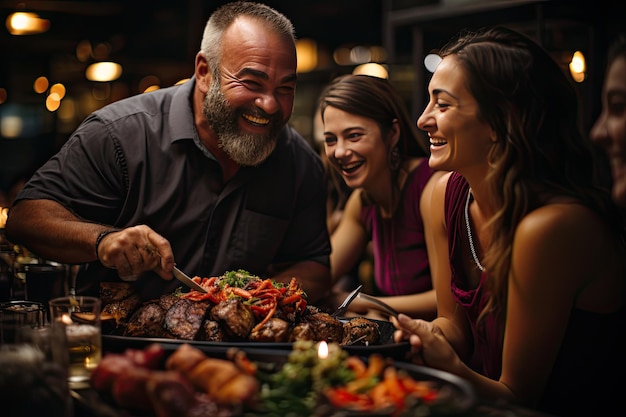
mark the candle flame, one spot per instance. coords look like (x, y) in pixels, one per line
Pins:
(322, 350)
(65, 318)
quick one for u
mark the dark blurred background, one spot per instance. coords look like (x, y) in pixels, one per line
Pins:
(155, 43)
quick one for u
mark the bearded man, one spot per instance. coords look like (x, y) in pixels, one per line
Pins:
(207, 175)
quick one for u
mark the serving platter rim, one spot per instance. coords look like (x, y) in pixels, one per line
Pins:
(390, 348)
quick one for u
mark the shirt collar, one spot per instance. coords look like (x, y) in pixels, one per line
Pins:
(181, 118)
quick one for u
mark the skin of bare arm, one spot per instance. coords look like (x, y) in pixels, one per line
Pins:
(450, 320)
(308, 274)
(559, 262)
(552, 271)
(54, 233)
(349, 238)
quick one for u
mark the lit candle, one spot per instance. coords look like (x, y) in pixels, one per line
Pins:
(65, 319)
(322, 350)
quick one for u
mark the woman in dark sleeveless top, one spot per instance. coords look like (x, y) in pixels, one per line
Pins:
(529, 270)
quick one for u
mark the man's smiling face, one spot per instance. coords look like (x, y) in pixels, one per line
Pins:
(251, 98)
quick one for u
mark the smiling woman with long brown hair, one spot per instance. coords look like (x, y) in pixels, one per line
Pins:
(372, 142)
(529, 258)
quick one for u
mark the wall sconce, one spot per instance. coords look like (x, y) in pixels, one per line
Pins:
(103, 71)
(578, 67)
(26, 23)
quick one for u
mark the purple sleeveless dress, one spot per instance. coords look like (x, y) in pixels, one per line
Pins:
(399, 246)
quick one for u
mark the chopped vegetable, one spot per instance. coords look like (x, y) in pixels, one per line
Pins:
(294, 389)
(379, 386)
(346, 382)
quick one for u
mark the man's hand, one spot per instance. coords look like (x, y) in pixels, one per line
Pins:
(135, 250)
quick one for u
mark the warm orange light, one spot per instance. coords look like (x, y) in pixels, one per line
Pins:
(4, 214)
(149, 81)
(322, 350)
(150, 88)
(103, 71)
(26, 23)
(578, 67)
(306, 50)
(40, 85)
(65, 319)
(58, 89)
(372, 69)
(53, 102)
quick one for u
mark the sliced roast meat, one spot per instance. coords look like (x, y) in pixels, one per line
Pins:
(121, 310)
(275, 330)
(324, 327)
(234, 317)
(302, 331)
(147, 322)
(115, 291)
(184, 318)
(166, 301)
(210, 331)
(360, 331)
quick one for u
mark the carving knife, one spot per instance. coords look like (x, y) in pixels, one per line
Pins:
(185, 279)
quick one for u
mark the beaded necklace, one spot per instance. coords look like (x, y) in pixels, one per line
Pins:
(469, 232)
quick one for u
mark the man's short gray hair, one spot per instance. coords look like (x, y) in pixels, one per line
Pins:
(224, 16)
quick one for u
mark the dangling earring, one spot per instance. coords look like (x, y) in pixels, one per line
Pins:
(394, 159)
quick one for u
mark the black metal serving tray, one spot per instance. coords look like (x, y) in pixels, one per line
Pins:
(387, 347)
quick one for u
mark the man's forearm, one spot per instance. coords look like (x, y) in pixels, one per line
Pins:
(52, 232)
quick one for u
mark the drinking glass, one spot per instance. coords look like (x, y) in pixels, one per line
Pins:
(79, 316)
(31, 383)
(49, 385)
(17, 314)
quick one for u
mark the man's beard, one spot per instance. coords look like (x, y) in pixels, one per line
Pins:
(246, 149)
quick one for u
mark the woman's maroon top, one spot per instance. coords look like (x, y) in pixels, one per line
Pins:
(589, 374)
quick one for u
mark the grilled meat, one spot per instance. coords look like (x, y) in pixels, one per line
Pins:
(184, 318)
(234, 317)
(254, 311)
(318, 326)
(115, 291)
(275, 330)
(121, 309)
(361, 331)
(167, 301)
(211, 331)
(147, 322)
(302, 331)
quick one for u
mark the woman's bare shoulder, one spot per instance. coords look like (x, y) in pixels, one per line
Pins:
(562, 216)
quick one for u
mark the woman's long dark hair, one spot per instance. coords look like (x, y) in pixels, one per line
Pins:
(540, 151)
